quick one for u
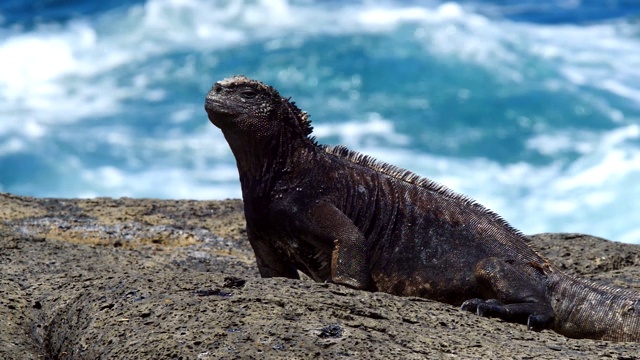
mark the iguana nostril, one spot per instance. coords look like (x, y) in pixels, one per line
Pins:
(217, 88)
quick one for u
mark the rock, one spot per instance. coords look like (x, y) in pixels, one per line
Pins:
(152, 279)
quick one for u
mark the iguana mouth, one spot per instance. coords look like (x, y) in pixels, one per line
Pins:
(218, 113)
(215, 106)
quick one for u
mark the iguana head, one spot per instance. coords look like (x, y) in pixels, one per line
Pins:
(242, 105)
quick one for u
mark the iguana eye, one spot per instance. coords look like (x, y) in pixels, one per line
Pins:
(248, 93)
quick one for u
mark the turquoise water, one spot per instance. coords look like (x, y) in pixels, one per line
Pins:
(530, 107)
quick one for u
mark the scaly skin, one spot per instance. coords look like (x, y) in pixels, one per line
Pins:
(343, 217)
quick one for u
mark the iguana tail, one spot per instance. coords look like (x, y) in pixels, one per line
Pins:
(584, 309)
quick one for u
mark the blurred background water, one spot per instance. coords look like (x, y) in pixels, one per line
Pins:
(530, 107)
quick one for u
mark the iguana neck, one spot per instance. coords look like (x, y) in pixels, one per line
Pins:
(262, 163)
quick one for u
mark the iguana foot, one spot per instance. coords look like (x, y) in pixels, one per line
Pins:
(536, 316)
(539, 322)
(350, 282)
(484, 308)
(471, 305)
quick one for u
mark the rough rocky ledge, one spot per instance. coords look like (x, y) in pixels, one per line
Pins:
(151, 279)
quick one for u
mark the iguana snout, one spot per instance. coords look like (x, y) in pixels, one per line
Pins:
(240, 103)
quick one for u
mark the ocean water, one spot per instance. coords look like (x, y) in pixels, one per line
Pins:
(530, 107)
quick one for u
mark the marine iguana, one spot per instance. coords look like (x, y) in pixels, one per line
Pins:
(343, 217)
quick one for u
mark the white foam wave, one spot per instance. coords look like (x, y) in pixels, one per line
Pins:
(217, 182)
(180, 166)
(357, 134)
(52, 74)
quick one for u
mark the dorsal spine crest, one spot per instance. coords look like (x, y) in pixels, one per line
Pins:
(414, 179)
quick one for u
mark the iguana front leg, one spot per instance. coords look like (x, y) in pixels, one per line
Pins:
(270, 263)
(349, 257)
(513, 293)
